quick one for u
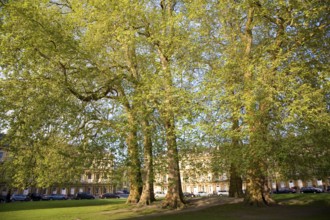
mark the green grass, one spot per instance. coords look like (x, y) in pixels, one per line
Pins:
(291, 206)
(303, 199)
(52, 210)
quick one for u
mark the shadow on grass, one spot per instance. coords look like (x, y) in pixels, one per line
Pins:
(242, 212)
(293, 207)
(33, 205)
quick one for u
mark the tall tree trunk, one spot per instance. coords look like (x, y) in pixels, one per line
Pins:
(257, 190)
(134, 164)
(235, 183)
(255, 181)
(136, 182)
(174, 196)
(147, 196)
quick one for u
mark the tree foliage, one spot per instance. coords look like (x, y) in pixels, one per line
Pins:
(250, 78)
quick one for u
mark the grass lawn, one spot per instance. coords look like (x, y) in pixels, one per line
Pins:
(291, 206)
(63, 210)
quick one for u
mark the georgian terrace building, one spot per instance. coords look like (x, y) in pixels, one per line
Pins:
(197, 176)
(95, 180)
(195, 169)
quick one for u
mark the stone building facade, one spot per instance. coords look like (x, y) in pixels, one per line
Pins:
(196, 176)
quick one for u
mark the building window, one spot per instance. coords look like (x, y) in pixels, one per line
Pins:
(63, 191)
(89, 176)
(291, 184)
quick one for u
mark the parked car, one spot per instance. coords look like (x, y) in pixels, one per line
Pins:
(55, 197)
(84, 195)
(284, 190)
(187, 194)
(160, 195)
(20, 197)
(125, 191)
(310, 189)
(202, 194)
(45, 197)
(35, 196)
(320, 189)
(222, 193)
(109, 196)
(2, 199)
(122, 194)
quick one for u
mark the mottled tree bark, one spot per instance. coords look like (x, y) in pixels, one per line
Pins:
(174, 196)
(235, 183)
(257, 190)
(147, 196)
(134, 164)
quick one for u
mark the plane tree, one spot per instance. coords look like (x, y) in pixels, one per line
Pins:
(99, 55)
(266, 60)
(66, 45)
